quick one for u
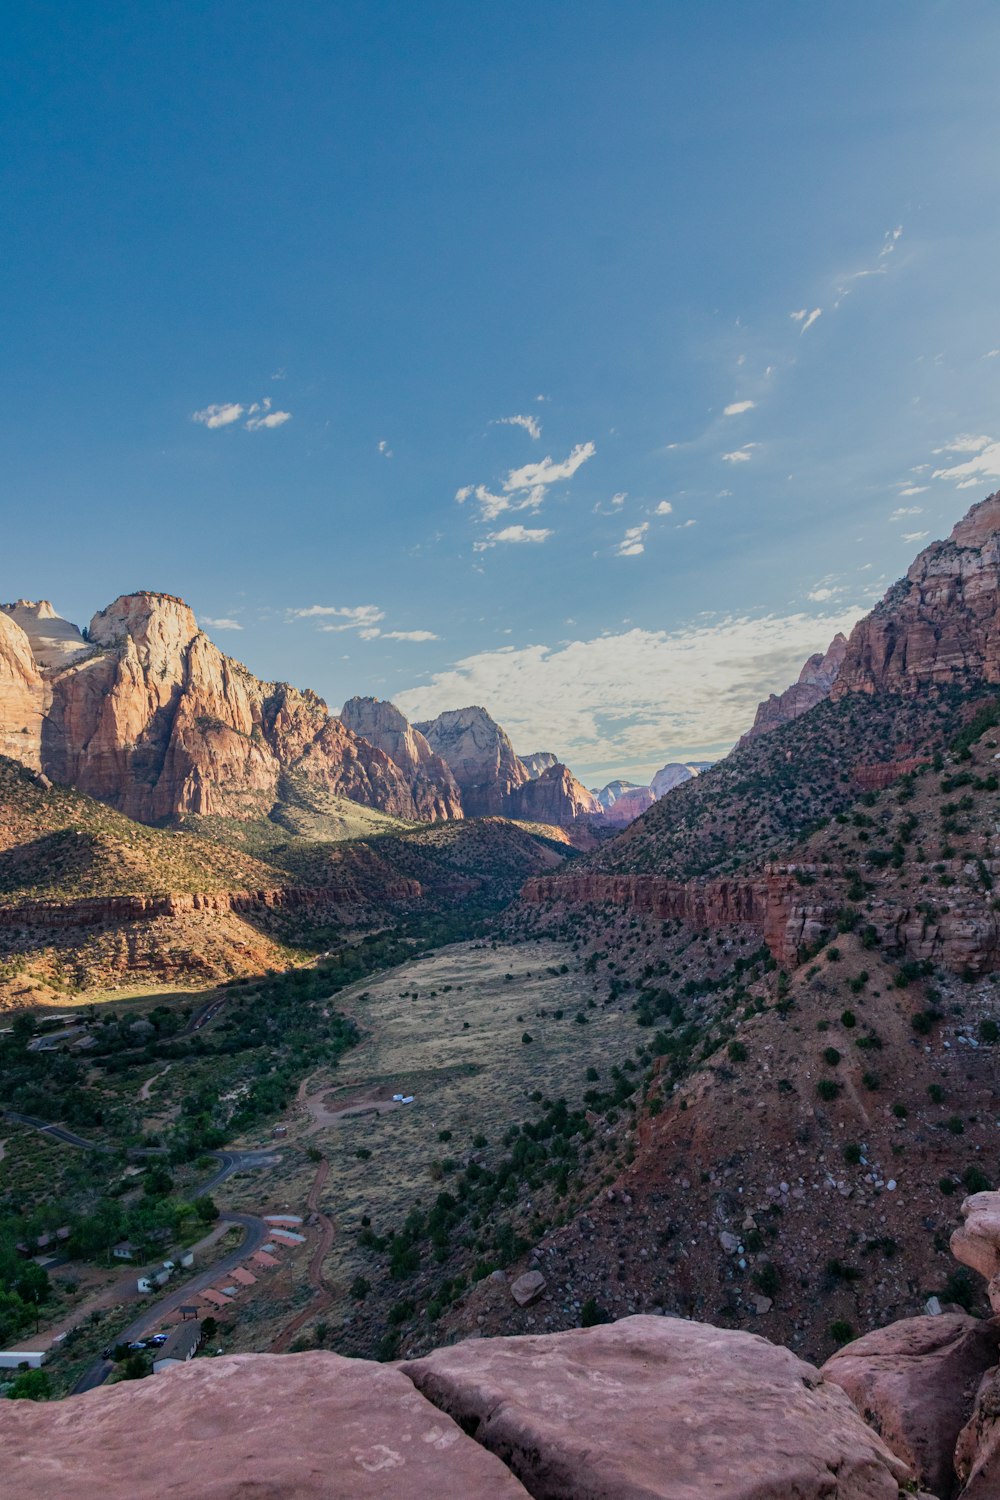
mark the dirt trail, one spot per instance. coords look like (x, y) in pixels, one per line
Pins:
(144, 1091)
(323, 1292)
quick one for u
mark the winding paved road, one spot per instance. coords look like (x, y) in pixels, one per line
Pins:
(256, 1229)
(256, 1233)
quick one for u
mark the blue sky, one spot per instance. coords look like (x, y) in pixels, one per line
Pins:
(276, 282)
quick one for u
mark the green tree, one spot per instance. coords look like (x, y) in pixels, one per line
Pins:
(31, 1385)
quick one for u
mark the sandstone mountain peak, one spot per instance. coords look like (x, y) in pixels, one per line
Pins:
(815, 682)
(435, 790)
(538, 761)
(979, 525)
(480, 755)
(160, 621)
(940, 624)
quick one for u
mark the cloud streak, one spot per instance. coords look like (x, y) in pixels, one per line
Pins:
(638, 698)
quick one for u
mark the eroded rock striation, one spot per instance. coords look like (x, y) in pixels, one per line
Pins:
(938, 625)
(148, 715)
(495, 782)
(815, 682)
(434, 789)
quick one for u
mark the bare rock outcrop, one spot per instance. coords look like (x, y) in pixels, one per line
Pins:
(481, 758)
(657, 1407)
(21, 696)
(977, 1452)
(54, 641)
(272, 1426)
(151, 717)
(554, 797)
(941, 623)
(914, 1382)
(675, 773)
(815, 682)
(538, 761)
(976, 1242)
(494, 781)
(629, 805)
(435, 792)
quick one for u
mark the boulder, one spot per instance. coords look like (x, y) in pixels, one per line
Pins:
(976, 1243)
(914, 1382)
(655, 1407)
(977, 1452)
(527, 1288)
(272, 1426)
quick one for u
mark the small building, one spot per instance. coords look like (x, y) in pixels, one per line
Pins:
(186, 1259)
(22, 1359)
(187, 1312)
(181, 1346)
(124, 1250)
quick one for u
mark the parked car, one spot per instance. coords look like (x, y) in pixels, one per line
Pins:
(136, 1345)
(108, 1352)
(158, 1339)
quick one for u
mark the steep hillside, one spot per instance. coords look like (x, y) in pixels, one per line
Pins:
(815, 683)
(791, 1160)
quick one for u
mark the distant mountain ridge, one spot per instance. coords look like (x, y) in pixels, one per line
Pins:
(143, 712)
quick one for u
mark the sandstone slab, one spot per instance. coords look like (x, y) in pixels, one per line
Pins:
(977, 1452)
(269, 1426)
(914, 1382)
(976, 1243)
(660, 1409)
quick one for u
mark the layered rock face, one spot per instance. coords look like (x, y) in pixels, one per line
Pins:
(941, 623)
(554, 797)
(815, 682)
(674, 774)
(434, 789)
(153, 719)
(481, 758)
(21, 696)
(647, 1409)
(494, 781)
(631, 804)
(54, 641)
(539, 761)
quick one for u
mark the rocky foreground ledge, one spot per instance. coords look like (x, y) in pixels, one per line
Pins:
(650, 1408)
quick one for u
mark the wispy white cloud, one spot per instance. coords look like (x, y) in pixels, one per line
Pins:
(223, 624)
(683, 525)
(907, 510)
(530, 424)
(268, 420)
(258, 414)
(638, 697)
(384, 449)
(221, 415)
(992, 354)
(633, 542)
(512, 534)
(527, 487)
(736, 408)
(912, 489)
(915, 536)
(664, 509)
(409, 635)
(740, 455)
(547, 472)
(817, 312)
(983, 465)
(360, 617)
